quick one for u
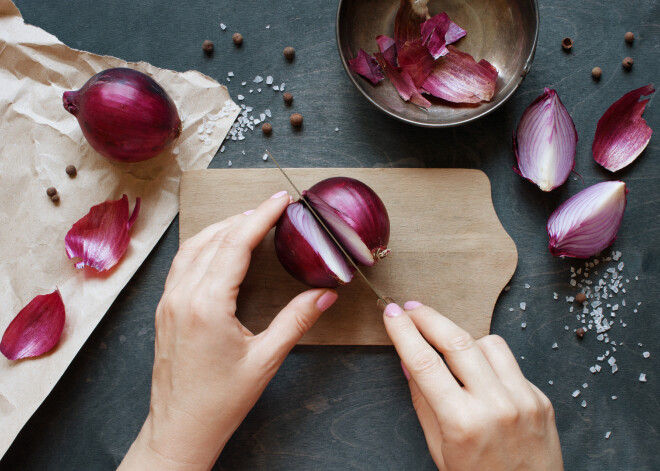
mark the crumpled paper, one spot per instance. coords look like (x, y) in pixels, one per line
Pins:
(38, 139)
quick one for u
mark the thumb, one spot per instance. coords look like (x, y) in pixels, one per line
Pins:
(294, 321)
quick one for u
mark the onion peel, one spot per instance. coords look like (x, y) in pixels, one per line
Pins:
(622, 134)
(366, 65)
(102, 236)
(36, 329)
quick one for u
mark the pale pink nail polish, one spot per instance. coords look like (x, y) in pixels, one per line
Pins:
(410, 305)
(248, 212)
(279, 194)
(326, 300)
(406, 373)
(393, 310)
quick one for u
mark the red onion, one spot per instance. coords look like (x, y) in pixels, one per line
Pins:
(354, 214)
(587, 222)
(124, 114)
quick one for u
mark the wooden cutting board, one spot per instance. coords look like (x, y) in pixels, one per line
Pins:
(449, 250)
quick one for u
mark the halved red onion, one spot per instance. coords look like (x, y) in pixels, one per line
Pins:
(587, 222)
(36, 329)
(307, 252)
(101, 237)
(439, 31)
(355, 214)
(622, 134)
(366, 65)
(124, 114)
(545, 142)
(458, 78)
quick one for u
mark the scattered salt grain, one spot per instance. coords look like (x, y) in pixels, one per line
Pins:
(555, 346)
(646, 354)
(523, 306)
(607, 435)
(258, 79)
(511, 309)
(614, 398)
(576, 393)
(244, 83)
(230, 74)
(585, 385)
(267, 26)
(597, 367)
(268, 113)
(269, 80)
(615, 368)
(551, 382)
(527, 285)
(223, 26)
(642, 377)
(241, 98)
(265, 157)
(584, 404)
(229, 164)
(259, 90)
(523, 325)
(222, 149)
(336, 129)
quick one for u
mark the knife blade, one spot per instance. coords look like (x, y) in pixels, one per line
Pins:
(381, 299)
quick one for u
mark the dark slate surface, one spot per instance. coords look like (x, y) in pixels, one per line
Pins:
(348, 407)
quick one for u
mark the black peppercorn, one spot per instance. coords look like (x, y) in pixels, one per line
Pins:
(207, 46)
(237, 38)
(289, 53)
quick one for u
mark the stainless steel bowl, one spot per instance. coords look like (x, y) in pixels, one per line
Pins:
(504, 32)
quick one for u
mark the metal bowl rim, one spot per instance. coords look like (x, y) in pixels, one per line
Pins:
(526, 68)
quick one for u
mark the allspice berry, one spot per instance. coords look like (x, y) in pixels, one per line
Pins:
(289, 53)
(580, 298)
(267, 128)
(627, 63)
(55, 198)
(237, 38)
(596, 72)
(71, 170)
(207, 46)
(580, 332)
(630, 37)
(296, 120)
(567, 44)
(288, 98)
(51, 191)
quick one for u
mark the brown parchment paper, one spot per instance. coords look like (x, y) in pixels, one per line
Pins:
(38, 139)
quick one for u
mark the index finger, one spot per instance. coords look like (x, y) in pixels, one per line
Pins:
(431, 375)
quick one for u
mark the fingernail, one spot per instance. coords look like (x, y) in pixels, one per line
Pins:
(279, 194)
(406, 373)
(410, 305)
(393, 310)
(248, 212)
(326, 300)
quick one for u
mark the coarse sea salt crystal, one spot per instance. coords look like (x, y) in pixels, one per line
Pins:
(244, 83)
(642, 377)
(523, 324)
(646, 354)
(527, 285)
(614, 398)
(229, 164)
(576, 393)
(282, 87)
(584, 404)
(268, 113)
(223, 26)
(258, 79)
(265, 157)
(276, 88)
(555, 346)
(269, 80)
(607, 435)
(598, 368)
(230, 74)
(585, 385)
(241, 97)
(336, 129)
(551, 382)
(511, 309)
(523, 306)
(615, 368)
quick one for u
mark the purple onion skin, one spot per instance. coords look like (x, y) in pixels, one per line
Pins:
(298, 257)
(124, 114)
(360, 208)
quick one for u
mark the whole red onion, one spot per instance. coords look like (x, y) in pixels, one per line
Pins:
(354, 214)
(124, 114)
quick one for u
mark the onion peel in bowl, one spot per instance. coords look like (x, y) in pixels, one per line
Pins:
(545, 142)
(36, 329)
(438, 32)
(102, 236)
(587, 222)
(622, 134)
(366, 65)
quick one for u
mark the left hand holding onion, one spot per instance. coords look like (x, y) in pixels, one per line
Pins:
(209, 370)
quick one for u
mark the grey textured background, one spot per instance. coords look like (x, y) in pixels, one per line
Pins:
(348, 407)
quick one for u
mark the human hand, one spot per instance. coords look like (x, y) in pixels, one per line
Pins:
(497, 421)
(209, 370)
